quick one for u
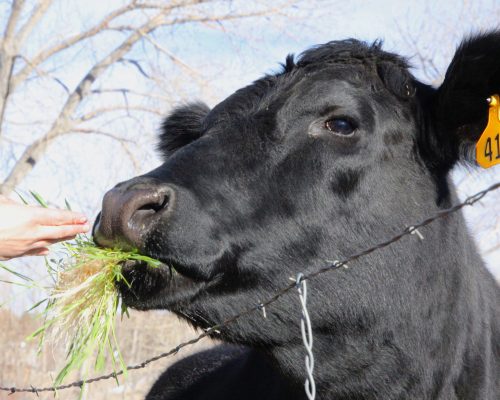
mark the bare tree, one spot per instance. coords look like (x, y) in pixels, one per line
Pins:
(136, 20)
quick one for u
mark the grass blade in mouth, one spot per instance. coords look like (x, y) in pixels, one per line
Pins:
(83, 304)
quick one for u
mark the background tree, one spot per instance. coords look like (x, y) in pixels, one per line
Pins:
(115, 37)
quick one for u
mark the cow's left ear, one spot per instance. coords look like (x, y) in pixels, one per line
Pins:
(461, 108)
(183, 126)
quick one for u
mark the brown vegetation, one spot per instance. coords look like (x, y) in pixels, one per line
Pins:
(141, 336)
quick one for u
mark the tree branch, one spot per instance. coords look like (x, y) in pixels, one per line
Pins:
(71, 41)
(15, 12)
(126, 91)
(63, 123)
(103, 25)
(492, 249)
(100, 111)
(8, 50)
(102, 133)
(173, 57)
(33, 20)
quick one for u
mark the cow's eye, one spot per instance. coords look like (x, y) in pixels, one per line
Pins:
(340, 126)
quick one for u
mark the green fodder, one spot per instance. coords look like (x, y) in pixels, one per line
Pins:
(82, 305)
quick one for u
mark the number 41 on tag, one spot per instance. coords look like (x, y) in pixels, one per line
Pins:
(488, 145)
(488, 152)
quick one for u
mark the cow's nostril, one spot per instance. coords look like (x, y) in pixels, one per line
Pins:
(156, 205)
(151, 208)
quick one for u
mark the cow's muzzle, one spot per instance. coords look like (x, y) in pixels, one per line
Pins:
(130, 210)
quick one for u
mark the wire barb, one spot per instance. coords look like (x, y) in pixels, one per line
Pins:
(263, 308)
(415, 231)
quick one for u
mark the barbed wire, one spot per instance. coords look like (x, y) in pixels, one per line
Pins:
(307, 337)
(333, 265)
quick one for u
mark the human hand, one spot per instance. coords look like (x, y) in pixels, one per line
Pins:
(29, 230)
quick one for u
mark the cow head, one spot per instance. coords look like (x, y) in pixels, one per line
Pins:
(340, 149)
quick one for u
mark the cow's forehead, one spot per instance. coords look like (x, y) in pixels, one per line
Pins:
(361, 65)
(325, 91)
(349, 52)
(334, 83)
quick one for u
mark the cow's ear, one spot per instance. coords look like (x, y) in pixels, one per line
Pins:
(181, 127)
(461, 107)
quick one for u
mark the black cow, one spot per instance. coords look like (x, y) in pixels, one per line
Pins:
(341, 149)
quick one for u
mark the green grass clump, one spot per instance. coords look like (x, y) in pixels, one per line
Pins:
(82, 306)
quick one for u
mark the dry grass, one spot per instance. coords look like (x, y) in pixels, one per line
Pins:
(141, 336)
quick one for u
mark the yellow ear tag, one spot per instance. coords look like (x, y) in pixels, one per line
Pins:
(488, 145)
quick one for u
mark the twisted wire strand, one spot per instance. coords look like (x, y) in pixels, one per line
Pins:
(307, 338)
(408, 230)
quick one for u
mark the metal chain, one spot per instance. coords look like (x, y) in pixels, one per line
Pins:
(307, 337)
(469, 201)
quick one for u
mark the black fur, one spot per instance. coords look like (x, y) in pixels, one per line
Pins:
(346, 182)
(227, 372)
(259, 189)
(183, 126)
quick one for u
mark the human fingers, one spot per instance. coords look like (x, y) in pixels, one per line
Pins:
(48, 242)
(43, 251)
(62, 232)
(55, 217)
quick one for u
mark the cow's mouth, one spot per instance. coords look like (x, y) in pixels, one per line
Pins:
(143, 265)
(166, 285)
